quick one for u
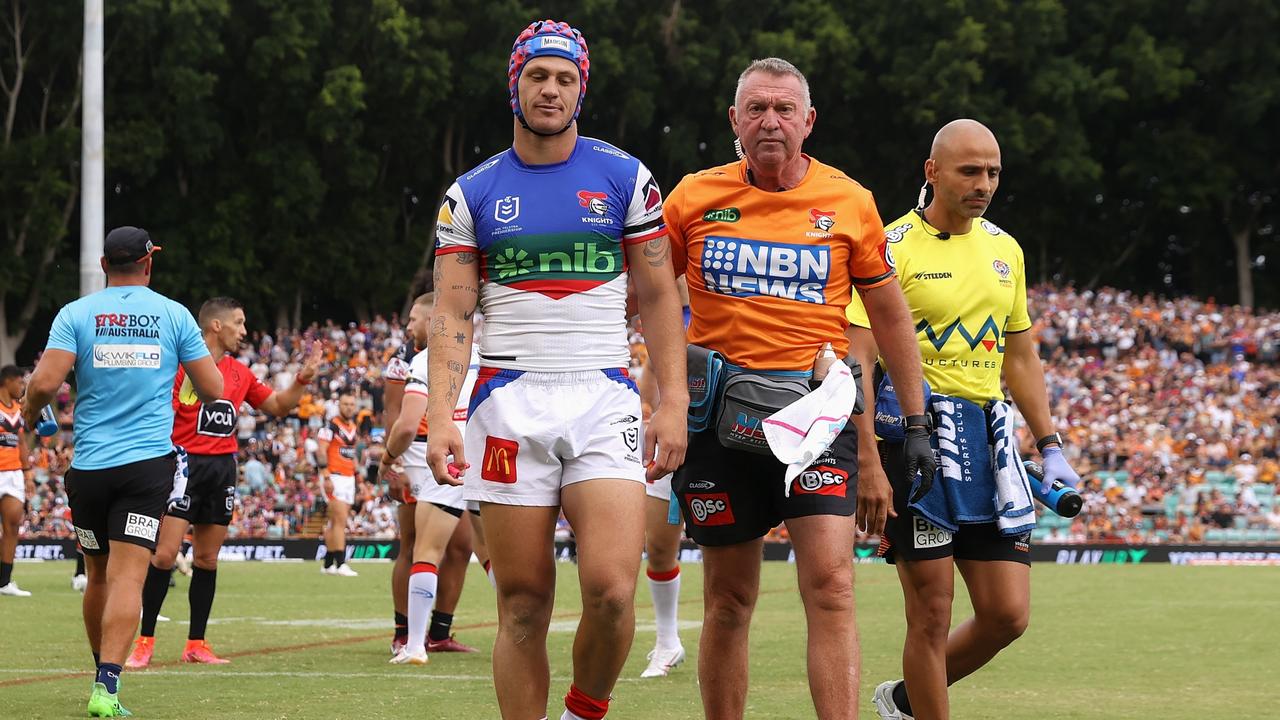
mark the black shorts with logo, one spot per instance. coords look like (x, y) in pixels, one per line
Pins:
(121, 503)
(732, 496)
(911, 537)
(211, 490)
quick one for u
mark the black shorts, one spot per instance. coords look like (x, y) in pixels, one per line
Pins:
(456, 512)
(912, 537)
(123, 503)
(211, 490)
(732, 496)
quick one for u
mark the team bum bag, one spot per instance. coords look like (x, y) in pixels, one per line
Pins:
(735, 401)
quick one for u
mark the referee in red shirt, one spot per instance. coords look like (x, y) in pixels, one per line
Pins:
(207, 431)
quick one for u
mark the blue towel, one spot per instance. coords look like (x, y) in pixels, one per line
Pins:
(964, 488)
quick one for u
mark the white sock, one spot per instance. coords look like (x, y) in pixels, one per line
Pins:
(488, 571)
(568, 715)
(666, 601)
(422, 598)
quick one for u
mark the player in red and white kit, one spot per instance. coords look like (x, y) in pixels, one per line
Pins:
(207, 432)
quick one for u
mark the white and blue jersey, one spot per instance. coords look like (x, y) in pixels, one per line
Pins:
(550, 240)
(128, 342)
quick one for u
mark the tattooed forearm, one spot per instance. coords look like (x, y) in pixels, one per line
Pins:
(455, 366)
(657, 251)
(465, 258)
(460, 338)
(437, 326)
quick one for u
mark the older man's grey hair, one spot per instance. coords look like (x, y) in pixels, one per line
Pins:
(773, 66)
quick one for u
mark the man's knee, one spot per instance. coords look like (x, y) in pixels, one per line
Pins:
(729, 605)
(929, 613)
(609, 602)
(1005, 623)
(205, 561)
(829, 590)
(525, 612)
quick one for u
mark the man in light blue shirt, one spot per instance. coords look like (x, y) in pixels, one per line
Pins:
(125, 344)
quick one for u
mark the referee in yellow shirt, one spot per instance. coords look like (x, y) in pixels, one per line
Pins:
(965, 282)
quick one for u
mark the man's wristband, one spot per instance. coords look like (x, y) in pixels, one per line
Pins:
(1047, 440)
(921, 421)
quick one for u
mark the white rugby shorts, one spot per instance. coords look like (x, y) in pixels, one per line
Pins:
(11, 483)
(421, 486)
(660, 488)
(529, 434)
(344, 488)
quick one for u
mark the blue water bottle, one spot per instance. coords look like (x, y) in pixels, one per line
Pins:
(1060, 497)
(48, 425)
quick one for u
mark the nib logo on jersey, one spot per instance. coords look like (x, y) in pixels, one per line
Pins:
(556, 265)
(742, 268)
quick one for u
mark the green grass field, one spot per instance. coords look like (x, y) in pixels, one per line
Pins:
(1105, 642)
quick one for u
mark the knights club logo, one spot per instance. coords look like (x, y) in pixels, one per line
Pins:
(593, 201)
(822, 219)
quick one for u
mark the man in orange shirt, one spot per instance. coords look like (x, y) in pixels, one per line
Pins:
(16, 480)
(771, 247)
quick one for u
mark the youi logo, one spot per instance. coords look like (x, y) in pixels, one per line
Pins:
(741, 267)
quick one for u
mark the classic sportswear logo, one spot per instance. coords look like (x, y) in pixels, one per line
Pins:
(507, 209)
(710, 509)
(499, 460)
(127, 356)
(725, 215)
(742, 268)
(141, 526)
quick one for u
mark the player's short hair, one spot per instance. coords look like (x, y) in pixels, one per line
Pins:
(8, 372)
(773, 66)
(427, 298)
(217, 308)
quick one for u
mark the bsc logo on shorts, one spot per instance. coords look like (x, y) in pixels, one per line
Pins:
(141, 526)
(499, 460)
(711, 509)
(928, 535)
(822, 480)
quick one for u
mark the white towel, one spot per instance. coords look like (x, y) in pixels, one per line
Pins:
(1014, 508)
(180, 472)
(799, 433)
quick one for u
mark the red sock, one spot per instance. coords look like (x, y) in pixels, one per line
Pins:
(421, 567)
(667, 576)
(585, 706)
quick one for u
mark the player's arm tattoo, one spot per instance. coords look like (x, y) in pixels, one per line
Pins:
(466, 258)
(455, 366)
(438, 326)
(657, 251)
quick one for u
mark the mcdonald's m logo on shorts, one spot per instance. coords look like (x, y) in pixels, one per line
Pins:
(499, 460)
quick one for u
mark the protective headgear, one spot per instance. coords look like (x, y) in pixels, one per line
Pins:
(547, 38)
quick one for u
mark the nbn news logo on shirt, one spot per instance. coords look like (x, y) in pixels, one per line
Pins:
(742, 267)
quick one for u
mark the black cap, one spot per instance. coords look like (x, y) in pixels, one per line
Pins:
(128, 244)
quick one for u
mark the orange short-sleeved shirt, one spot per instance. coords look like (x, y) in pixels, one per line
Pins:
(770, 273)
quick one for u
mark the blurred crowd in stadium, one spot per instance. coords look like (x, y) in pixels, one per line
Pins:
(1173, 407)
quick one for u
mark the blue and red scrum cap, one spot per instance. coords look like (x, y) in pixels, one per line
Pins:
(547, 38)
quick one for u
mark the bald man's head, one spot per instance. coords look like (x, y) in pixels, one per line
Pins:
(964, 170)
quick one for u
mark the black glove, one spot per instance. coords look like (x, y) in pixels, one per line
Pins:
(919, 457)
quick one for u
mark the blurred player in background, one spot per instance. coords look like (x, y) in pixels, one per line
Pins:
(207, 432)
(338, 462)
(17, 483)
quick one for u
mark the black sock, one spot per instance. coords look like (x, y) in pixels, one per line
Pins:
(109, 675)
(340, 557)
(154, 591)
(900, 698)
(203, 584)
(97, 659)
(440, 625)
(6, 573)
(79, 564)
(328, 558)
(402, 626)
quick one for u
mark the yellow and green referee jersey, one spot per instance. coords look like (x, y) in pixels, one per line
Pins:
(965, 293)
